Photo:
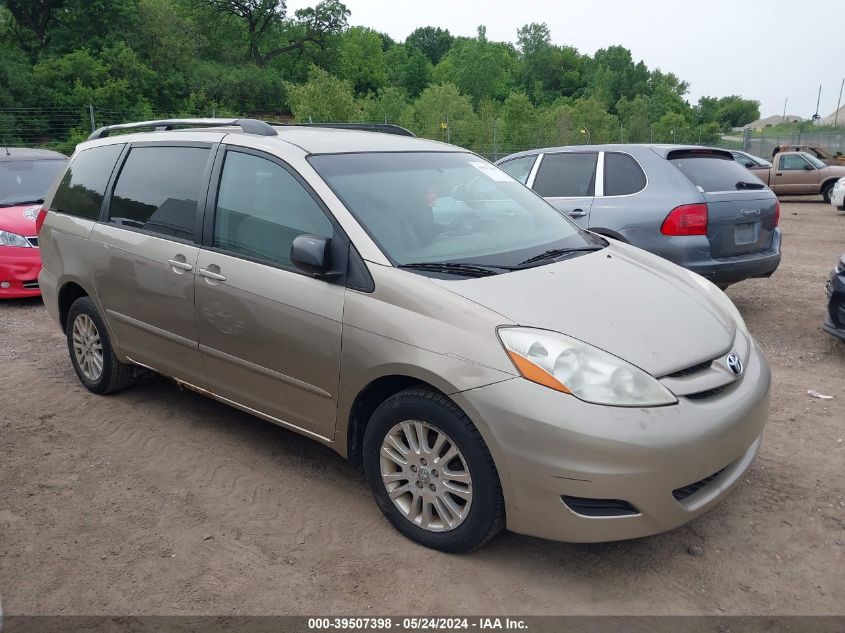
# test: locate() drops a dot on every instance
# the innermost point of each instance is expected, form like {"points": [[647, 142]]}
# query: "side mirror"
{"points": [[310, 254], [809, 167]]}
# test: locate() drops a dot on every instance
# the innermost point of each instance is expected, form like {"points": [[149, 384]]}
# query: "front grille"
{"points": [[685, 492], [710, 393], [33, 241], [32, 284], [691, 370], [599, 507]]}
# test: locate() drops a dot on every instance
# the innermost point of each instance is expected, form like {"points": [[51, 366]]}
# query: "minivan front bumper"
{"points": [[666, 465]]}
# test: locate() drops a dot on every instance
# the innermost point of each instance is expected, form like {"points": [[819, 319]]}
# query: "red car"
{"points": [[25, 178]]}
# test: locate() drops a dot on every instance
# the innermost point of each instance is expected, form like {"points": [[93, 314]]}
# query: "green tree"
{"points": [[634, 115], [520, 122], [34, 16], [443, 113], [479, 68], [673, 127], [270, 33], [408, 68], [385, 106], [362, 59], [734, 111], [433, 42], [323, 98]]}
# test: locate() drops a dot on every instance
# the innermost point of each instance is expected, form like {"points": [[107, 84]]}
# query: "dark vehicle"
{"points": [[834, 319]]}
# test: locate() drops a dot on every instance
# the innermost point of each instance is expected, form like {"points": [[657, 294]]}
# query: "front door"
{"points": [[568, 181], [144, 257], [269, 334], [795, 174]]}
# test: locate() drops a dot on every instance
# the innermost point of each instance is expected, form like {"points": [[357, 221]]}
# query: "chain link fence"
{"points": [[493, 138]]}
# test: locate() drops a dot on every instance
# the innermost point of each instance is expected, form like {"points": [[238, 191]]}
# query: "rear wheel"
{"points": [[431, 473], [826, 191], [91, 351]]}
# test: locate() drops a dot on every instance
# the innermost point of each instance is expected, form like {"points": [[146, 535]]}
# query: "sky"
{"points": [[768, 50]]}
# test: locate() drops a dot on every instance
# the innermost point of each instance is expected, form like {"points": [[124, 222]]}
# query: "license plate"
{"points": [[744, 234]]}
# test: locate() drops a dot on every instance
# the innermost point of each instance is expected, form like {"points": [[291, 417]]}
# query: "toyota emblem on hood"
{"points": [[734, 364]]}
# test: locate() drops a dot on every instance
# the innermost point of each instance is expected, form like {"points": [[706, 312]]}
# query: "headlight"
{"points": [[13, 239], [570, 366]]}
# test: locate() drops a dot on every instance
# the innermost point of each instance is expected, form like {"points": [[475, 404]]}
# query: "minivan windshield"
{"points": [[27, 181], [448, 207]]}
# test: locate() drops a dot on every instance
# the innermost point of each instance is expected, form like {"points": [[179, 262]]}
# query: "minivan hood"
{"points": [[635, 305]]}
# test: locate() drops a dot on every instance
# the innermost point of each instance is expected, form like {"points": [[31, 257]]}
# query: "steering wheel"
{"points": [[462, 224]]}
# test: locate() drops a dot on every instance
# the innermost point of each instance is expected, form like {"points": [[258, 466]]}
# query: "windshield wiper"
{"points": [[750, 185], [17, 203], [456, 268], [559, 252]]}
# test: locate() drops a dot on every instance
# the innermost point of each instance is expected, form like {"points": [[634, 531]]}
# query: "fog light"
{"points": [[5, 284]]}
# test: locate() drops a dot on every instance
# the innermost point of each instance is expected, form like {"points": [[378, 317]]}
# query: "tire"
{"points": [[473, 516], [91, 351], [826, 192]]}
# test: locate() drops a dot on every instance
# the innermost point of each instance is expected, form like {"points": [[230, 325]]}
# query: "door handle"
{"points": [[778, 174], [577, 213], [208, 274], [179, 265]]}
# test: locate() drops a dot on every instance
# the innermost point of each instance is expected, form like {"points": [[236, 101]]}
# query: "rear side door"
{"points": [[568, 181], [269, 334], [795, 174], [145, 252], [742, 213]]}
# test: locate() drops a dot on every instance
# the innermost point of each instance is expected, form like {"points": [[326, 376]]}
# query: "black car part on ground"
{"points": [[834, 319]]}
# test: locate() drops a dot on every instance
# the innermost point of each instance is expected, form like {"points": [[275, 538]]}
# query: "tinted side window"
{"points": [[567, 175], [82, 188], [159, 188], [622, 175], [711, 172], [261, 208], [519, 168], [792, 162]]}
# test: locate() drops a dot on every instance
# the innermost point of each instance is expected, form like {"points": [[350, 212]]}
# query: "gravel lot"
{"points": [[160, 501]]}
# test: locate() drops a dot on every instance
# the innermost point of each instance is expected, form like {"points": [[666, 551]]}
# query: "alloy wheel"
{"points": [[426, 476]]}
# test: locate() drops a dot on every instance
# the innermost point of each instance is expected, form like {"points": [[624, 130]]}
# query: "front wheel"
{"points": [[431, 472], [826, 192], [91, 350]]}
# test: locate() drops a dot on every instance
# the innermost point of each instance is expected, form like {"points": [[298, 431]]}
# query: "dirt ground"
{"points": [[160, 501]]}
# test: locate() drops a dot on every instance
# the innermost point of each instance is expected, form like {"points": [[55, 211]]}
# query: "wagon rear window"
{"points": [[711, 171]]}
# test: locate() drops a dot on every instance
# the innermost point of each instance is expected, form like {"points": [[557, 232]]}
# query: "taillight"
{"points": [[687, 219], [777, 212], [39, 220]]}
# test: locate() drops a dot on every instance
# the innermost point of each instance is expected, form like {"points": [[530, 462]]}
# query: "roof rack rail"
{"points": [[248, 126], [385, 128]]}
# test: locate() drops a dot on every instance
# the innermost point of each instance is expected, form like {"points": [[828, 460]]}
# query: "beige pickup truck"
{"points": [[799, 174]]}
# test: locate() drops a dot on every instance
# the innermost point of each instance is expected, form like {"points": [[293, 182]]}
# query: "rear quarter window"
{"points": [[622, 175], [80, 192], [711, 172]]}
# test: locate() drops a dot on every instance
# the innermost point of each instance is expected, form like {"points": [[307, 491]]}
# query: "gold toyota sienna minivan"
{"points": [[485, 361]]}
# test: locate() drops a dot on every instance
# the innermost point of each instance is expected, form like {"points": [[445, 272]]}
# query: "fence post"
{"points": [[495, 150], [91, 116], [448, 130]]}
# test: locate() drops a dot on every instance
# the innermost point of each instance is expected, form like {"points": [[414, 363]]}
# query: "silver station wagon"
{"points": [[695, 206], [485, 361]]}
